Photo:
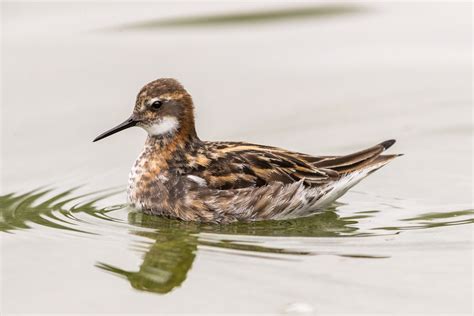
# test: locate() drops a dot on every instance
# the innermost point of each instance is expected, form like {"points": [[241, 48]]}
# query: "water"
{"points": [[321, 81]]}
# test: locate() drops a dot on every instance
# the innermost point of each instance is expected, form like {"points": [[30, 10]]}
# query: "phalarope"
{"points": [[180, 176]]}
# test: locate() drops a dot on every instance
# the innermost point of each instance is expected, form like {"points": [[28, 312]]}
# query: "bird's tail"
{"points": [[353, 168], [369, 159]]}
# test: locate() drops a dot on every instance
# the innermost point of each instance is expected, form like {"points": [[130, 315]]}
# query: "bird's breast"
{"points": [[146, 180]]}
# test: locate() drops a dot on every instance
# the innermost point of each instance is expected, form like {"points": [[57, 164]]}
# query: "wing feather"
{"points": [[235, 165]]}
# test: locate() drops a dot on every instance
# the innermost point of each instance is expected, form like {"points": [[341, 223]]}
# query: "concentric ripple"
{"points": [[70, 211], [169, 247], [64, 211]]}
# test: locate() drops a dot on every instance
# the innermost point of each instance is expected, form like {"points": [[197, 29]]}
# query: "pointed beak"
{"points": [[128, 123]]}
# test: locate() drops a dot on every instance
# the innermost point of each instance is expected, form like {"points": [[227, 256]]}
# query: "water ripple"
{"points": [[39, 207], [169, 247]]}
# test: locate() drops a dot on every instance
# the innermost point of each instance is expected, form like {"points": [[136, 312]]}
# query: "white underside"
{"points": [[327, 195]]}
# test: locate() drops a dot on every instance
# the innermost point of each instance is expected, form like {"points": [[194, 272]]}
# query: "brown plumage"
{"points": [[178, 175]]}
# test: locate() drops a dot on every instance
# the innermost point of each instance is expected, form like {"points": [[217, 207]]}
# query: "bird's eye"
{"points": [[156, 104]]}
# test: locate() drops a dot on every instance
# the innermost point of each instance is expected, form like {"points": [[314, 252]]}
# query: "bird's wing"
{"points": [[232, 165], [235, 165]]}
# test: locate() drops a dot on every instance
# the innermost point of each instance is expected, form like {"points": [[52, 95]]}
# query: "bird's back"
{"points": [[237, 165]]}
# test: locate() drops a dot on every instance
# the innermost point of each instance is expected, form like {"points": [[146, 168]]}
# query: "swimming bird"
{"points": [[177, 175]]}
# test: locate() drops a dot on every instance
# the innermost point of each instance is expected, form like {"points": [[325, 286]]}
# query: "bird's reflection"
{"points": [[172, 245], [175, 244], [165, 264]]}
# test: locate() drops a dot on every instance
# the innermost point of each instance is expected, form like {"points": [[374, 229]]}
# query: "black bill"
{"points": [[128, 123]]}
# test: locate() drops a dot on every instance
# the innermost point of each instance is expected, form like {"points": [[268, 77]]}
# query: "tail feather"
{"points": [[362, 164], [367, 158], [349, 170]]}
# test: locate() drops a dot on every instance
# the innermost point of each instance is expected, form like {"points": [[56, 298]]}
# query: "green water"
{"points": [[172, 245], [327, 79]]}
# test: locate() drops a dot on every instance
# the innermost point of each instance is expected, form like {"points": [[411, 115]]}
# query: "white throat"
{"points": [[167, 124]]}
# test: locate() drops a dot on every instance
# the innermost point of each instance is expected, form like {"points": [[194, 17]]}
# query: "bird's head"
{"points": [[163, 107]]}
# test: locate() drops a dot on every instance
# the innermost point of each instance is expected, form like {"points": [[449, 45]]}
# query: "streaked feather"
{"points": [[229, 181]]}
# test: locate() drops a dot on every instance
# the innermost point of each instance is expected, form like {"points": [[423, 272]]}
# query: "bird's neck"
{"points": [[169, 143], [170, 149]]}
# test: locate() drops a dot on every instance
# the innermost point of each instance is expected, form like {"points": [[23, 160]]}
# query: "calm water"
{"points": [[318, 80]]}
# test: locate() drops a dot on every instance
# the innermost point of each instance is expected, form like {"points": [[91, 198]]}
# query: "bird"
{"points": [[177, 175]]}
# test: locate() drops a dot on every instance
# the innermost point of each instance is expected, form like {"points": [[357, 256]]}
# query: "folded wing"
{"points": [[234, 165]]}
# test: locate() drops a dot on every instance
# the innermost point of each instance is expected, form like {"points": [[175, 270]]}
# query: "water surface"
{"points": [[322, 80]]}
